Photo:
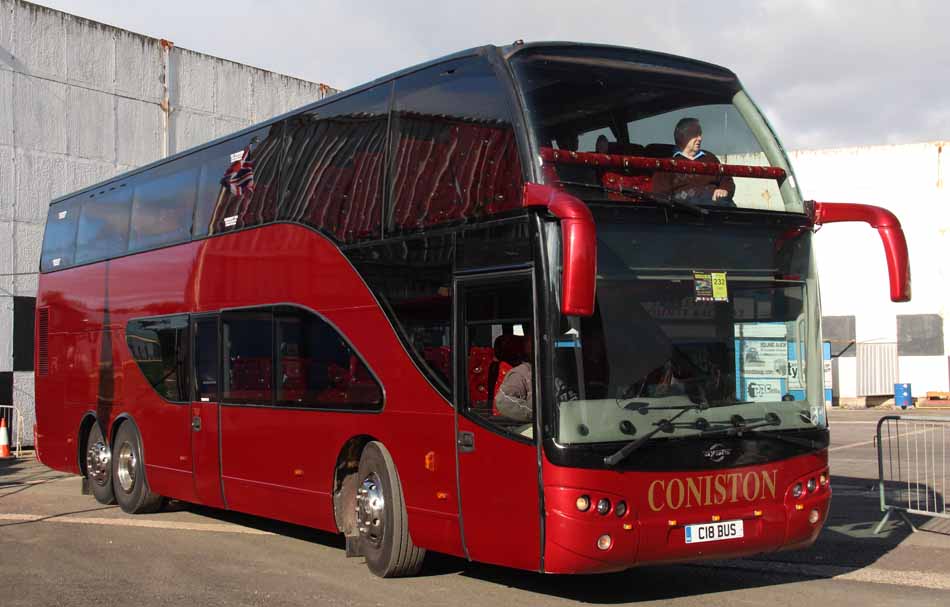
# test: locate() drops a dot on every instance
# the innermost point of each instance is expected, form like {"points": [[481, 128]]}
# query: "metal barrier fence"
{"points": [[912, 462], [15, 431]]}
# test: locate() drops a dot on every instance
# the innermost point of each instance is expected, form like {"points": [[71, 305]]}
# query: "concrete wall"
{"points": [[81, 101], [910, 181]]}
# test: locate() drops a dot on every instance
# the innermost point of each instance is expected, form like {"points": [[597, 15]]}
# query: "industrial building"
{"points": [[81, 101]]}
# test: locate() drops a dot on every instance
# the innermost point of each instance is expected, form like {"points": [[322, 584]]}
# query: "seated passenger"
{"points": [[515, 397], [602, 145], [688, 136]]}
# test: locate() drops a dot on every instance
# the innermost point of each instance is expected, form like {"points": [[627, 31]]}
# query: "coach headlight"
{"points": [[797, 490], [583, 503], [812, 484]]}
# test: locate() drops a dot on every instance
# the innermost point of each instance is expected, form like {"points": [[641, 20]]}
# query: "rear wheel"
{"points": [[99, 466], [381, 517], [128, 473]]}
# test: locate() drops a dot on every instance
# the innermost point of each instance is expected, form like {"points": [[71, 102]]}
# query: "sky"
{"points": [[826, 73]]}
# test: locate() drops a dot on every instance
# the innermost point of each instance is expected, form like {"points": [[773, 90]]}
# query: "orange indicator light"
{"points": [[716, 518], [799, 506], [442, 495], [627, 526], [757, 512], [671, 523], [430, 461], [298, 472]]}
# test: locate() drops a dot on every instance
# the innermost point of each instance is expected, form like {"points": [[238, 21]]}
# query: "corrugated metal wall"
{"points": [[877, 368]]}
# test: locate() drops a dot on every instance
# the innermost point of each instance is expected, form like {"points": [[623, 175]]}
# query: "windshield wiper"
{"points": [[668, 201], [664, 425], [739, 427]]}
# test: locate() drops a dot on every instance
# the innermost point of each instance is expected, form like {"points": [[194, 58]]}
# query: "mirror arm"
{"points": [[892, 237], [578, 246]]}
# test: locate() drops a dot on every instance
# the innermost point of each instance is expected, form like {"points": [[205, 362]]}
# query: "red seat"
{"points": [[479, 359]]}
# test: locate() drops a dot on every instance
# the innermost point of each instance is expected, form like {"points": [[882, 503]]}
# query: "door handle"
{"points": [[196, 423], [466, 442]]}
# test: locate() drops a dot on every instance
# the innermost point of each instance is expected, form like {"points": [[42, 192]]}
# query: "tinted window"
{"points": [[206, 359], [163, 202], [317, 368], [248, 362], [499, 362], [413, 280], [59, 241], [454, 151], [334, 165], [494, 246], [160, 346], [238, 185], [104, 224]]}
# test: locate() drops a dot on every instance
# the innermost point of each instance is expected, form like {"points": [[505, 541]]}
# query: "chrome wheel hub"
{"points": [[127, 467], [371, 510], [98, 460]]}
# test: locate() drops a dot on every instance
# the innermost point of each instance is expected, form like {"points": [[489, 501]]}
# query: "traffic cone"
{"points": [[4, 439]]}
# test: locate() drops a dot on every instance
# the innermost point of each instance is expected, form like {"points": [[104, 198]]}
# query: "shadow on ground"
{"points": [[846, 544]]}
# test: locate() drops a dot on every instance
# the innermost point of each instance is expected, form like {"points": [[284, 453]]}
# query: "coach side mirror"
{"points": [[888, 226], [578, 246]]}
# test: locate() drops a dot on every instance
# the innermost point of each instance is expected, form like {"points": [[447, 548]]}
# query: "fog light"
{"points": [[797, 490], [603, 506], [823, 479], [811, 485], [582, 503], [813, 517], [621, 508], [604, 542]]}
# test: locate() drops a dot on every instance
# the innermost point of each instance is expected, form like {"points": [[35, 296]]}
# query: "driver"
{"points": [[515, 397], [688, 136]]}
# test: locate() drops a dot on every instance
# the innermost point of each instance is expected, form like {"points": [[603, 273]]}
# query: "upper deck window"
{"points": [[634, 127], [454, 153], [104, 224], [238, 184], [162, 205], [333, 171], [59, 241]]}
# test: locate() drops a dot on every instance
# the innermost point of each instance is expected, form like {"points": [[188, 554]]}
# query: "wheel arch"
{"points": [[82, 442], [345, 480]]}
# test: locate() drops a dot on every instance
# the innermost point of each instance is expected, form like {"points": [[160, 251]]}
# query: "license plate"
{"points": [[713, 532]]}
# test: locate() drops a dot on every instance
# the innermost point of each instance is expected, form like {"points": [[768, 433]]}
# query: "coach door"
{"points": [[496, 449], [205, 436]]}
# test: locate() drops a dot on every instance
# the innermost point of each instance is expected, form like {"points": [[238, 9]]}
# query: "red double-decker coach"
{"points": [[551, 306]]}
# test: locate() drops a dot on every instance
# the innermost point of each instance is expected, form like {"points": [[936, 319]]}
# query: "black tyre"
{"points": [[128, 473], [381, 517], [99, 466]]}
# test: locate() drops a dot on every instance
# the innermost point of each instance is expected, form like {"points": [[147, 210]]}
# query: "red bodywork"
{"points": [[280, 463]]}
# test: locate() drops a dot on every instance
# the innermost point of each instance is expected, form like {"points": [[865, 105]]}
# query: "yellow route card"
{"points": [[710, 286]]}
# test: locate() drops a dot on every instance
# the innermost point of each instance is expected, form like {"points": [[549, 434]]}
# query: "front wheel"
{"points": [[128, 473], [381, 517]]}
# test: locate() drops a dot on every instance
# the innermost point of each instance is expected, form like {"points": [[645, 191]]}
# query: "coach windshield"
{"points": [[622, 125]]}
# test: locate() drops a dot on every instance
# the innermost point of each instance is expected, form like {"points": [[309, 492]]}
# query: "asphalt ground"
{"points": [[58, 547]]}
